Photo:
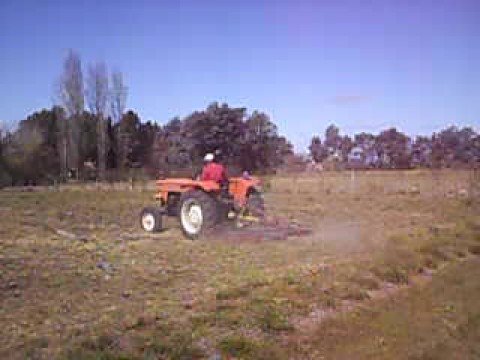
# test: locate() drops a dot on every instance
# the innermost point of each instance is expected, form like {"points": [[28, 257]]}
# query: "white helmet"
{"points": [[208, 157]]}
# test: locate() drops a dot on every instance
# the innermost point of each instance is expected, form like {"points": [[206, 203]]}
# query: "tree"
{"points": [[422, 151], [216, 128], [366, 142], [281, 149], [118, 100], [97, 98], [71, 95], [129, 127], [88, 141], [31, 152], [145, 141], [455, 146], [317, 151], [21, 150], [333, 139], [3, 133], [5, 178], [262, 146], [118, 96], [394, 149], [345, 146], [178, 146]]}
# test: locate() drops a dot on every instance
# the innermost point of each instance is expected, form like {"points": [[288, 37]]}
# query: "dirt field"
{"points": [[391, 271]]}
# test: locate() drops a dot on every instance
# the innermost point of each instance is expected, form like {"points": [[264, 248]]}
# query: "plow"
{"points": [[234, 211]]}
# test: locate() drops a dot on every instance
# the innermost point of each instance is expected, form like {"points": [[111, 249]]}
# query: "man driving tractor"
{"points": [[213, 171]]}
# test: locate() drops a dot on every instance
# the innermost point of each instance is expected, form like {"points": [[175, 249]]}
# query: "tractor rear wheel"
{"points": [[151, 219], [198, 213]]}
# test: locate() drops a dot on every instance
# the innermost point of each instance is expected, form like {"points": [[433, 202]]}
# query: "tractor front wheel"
{"points": [[198, 213], [151, 219]]}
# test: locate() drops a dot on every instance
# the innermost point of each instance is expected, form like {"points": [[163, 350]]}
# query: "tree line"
{"points": [[392, 149], [90, 135]]}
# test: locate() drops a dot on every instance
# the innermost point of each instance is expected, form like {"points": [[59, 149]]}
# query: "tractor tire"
{"points": [[198, 213], [255, 204], [151, 219]]}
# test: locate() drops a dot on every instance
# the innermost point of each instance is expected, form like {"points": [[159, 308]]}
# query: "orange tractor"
{"points": [[200, 205]]}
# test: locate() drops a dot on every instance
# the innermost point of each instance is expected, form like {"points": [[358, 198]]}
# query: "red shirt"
{"points": [[213, 172]]}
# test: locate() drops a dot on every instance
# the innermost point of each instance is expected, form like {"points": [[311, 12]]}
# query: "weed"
{"points": [[474, 249], [101, 343], [83, 354], [434, 251], [238, 346], [40, 342], [270, 318], [460, 253], [202, 319], [329, 301], [350, 292], [430, 262], [242, 347], [232, 293], [392, 274], [178, 346], [230, 317], [32, 349], [103, 347], [266, 184], [471, 326], [366, 282], [254, 277], [400, 240], [291, 278]]}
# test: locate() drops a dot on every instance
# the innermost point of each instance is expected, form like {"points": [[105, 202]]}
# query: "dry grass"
{"points": [[80, 280]]}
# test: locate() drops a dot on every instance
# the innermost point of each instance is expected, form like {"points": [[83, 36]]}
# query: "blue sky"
{"points": [[363, 65]]}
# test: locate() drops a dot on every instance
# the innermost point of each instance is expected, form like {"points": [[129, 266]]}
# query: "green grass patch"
{"points": [[438, 321]]}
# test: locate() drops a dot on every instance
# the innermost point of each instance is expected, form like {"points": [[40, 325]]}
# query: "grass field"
{"points": [[391, 271]]}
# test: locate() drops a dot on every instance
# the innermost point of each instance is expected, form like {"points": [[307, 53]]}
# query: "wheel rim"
{"points": [[191, 217], [148, 222]]}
